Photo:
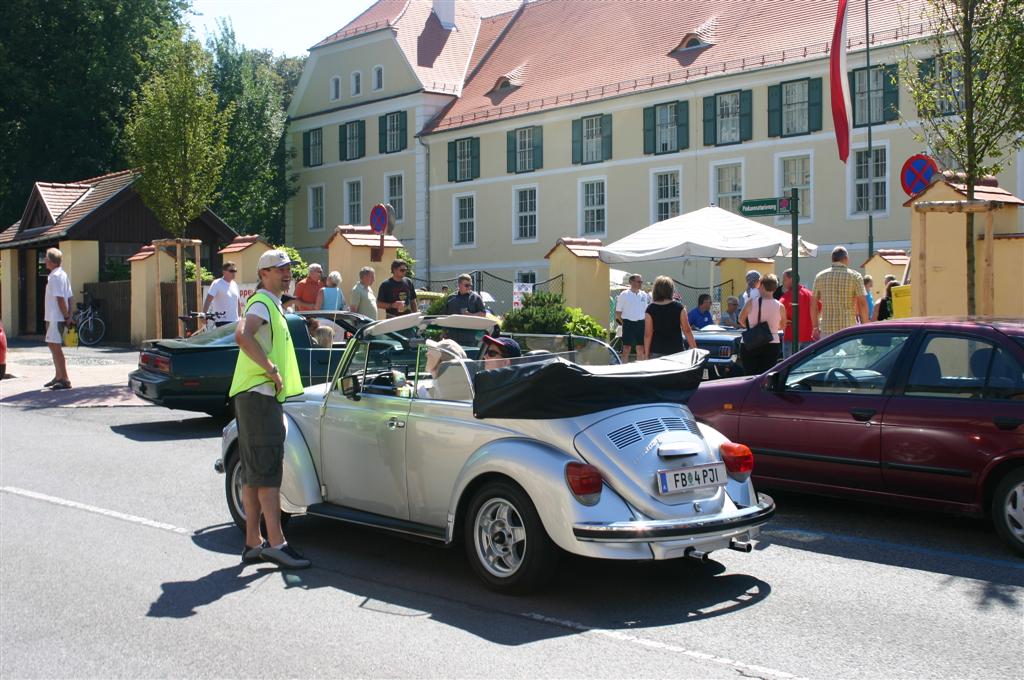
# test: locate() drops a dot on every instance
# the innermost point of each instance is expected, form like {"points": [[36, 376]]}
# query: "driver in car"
{"points": [[498, 352]]}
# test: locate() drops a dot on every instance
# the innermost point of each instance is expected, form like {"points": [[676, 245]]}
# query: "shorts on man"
{"points": [[54, 332], [633, 333]]}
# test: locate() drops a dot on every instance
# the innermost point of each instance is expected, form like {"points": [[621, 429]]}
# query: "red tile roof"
{"points": [[98, 191], [145, 252], [588, 51], [362, 236], [580, 247], [893, 256], [240, 243], [982, 192], [379, 15]]}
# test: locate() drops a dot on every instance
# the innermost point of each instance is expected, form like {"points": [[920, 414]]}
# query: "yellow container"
{"points": [[901, 301]]}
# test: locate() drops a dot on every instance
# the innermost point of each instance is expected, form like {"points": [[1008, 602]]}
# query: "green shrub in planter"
{"points": [[546, 313]]}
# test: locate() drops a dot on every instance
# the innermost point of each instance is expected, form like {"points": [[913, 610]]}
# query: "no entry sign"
{"points": [[917, 173]]}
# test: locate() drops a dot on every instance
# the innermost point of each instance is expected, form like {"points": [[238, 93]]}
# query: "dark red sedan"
{"points": [[923, 412]]}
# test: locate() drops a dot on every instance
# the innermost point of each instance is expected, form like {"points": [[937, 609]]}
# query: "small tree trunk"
{"points": [[967, 9]]}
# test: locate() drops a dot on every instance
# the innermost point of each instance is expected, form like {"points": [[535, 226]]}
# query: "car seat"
{"points": [[926, 372], [452, 382]]}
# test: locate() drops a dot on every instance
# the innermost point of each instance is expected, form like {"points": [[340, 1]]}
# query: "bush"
{"points": [[547, 313], [190, 272], [116, 270], [437, 306], [299, 266], [404, 255], [584, 324]]}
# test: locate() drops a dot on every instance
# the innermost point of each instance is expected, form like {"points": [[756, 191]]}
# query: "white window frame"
{"points": [[393, 132], [526, 152], [355, 84], [378, 69], [851, 174], [463, 156], [334, 91], [309, 207], [348, 199], [719, 140], [515, 212], [456, 218], [319, 146], [387, 193], [596, 141], [654, 172], [581, 210], [779, 181], [713, 178], [806, 83], [672, 127], [351, 152], [855, 96], [520, 272]]}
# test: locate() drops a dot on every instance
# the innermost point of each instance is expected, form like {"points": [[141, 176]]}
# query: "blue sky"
{"points": [[284, 26]]}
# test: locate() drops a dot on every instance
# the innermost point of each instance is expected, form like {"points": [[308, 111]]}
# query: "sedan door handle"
{"points": [[1007, 422], [395, 424], [862, 414]]}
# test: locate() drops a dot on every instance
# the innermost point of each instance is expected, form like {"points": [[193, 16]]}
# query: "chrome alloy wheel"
{"points": [[500, 537], [1014, 509], [236, 488]]}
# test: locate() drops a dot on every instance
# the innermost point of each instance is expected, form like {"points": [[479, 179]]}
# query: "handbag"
{"points": [[71, 337], [758, 336]]}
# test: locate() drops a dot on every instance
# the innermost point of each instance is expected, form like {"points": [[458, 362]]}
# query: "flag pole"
{"points": [[871, 152]]}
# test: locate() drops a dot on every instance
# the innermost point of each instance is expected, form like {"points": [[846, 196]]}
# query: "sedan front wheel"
{"points": [[505, 540], [1008, 509]]}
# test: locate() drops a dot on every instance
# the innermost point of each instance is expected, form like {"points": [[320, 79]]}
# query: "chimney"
{"points": [[445, 11]]}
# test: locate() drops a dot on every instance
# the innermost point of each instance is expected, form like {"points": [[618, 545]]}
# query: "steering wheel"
{"points": [[832, 373]]}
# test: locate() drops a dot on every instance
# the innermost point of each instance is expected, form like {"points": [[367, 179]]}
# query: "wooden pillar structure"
{"points": [[179, 245]]}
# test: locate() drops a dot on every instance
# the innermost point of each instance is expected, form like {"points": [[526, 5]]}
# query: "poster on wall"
{"points": [[518, 291]]}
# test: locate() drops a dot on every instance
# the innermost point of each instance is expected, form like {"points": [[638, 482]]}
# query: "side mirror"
{"points": [[350, 387], [773, 382]]}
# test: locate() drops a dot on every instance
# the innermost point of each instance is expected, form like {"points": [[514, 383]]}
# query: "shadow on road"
{"points": [[402, 578], [96, 395], [180, 599], [169, 430]]}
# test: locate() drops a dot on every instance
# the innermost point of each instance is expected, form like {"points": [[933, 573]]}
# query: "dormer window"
{"points": [[511, 80], [703, 36], [692, 42]]}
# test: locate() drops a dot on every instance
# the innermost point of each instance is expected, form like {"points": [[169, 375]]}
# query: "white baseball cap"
{"points": [[273, 258]]}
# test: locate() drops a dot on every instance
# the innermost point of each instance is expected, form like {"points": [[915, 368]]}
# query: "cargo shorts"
{"points": [[260, 439]]}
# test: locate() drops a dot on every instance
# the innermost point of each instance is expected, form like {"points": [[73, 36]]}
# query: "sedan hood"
{"points": [[631, 446]]}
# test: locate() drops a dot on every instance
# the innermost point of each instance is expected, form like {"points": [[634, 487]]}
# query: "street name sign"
{"points": [[766, 207]]}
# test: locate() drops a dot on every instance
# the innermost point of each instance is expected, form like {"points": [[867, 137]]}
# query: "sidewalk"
{"points": [[99, 376]]}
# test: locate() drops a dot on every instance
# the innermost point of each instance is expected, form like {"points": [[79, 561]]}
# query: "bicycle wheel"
{"points": [[91, 331]]}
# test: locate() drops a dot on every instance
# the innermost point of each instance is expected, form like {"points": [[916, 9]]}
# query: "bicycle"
{"points": [[196, 317], [91, 328]]}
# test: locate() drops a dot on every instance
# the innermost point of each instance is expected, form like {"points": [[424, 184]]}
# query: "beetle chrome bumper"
{"points": [[654, 530]]}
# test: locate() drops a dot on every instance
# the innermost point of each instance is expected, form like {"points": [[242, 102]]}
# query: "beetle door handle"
{"points": [[862, 414], [395, 424], [1007, 422]]}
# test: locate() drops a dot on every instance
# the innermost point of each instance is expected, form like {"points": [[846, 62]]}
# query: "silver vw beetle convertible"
{"points": [[520, 459]]}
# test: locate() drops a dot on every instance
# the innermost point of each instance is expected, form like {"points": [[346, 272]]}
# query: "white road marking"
{"points": [[664, 647], [94, 509]]}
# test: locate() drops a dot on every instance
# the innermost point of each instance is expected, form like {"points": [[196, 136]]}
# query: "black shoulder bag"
{"points": [[758, 336]]}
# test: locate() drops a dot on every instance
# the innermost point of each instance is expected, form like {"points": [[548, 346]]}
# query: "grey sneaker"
{"points": [[285, 557], [253, 555]]}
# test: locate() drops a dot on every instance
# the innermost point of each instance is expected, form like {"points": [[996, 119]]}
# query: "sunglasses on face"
{"points": [[402, 270], [231, 271], [492, 354]]}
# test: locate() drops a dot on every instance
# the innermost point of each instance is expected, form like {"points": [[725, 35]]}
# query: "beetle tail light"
{"points": [[738, 459], [585, 482]]}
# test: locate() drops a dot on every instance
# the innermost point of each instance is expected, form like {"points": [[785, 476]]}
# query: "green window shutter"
{"points": [[775, 110], [538, 147], [362, 138], [926, 70], [452, 173], [305, 149], [853, 98], [606, 136], [649, 129], [577, 141], [814, 105], [341, 142], [382, 134], [474, 157], [891, 92], [403, 131], [746, 115], [510, 151], [682, 125], [710, 130]]}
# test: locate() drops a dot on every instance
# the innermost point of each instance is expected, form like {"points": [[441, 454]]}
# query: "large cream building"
{"points": [[496, 127]]}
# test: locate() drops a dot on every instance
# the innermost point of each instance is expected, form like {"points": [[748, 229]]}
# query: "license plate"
{"points": [[688, 479]]}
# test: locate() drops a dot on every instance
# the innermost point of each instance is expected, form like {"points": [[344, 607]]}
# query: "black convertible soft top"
{"points": [[557, 388]]}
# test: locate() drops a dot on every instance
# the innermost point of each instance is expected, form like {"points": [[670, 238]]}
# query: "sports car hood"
{"points": [[631, 445]]}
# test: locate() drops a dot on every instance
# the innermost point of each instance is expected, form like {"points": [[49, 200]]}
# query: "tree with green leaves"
{"points": [[969, 93]]}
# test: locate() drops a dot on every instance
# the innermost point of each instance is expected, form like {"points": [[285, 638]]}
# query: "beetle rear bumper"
{"points": [[651, 531]]}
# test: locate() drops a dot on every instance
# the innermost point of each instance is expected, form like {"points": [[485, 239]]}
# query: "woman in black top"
{"points": [[664, 320], [883, 308]]}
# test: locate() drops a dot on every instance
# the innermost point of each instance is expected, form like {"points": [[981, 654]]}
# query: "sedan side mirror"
{"points": [[350, 387], [773, 382]]}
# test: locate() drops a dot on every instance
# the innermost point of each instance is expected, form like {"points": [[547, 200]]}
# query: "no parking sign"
{"points": [[917, 173]]}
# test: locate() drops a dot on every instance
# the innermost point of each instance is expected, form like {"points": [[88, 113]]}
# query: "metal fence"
{"points": [[689, 295], [114, 301], [485, 282]]}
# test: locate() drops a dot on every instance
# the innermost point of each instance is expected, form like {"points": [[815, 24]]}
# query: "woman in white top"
{"points": [[764, 308]]}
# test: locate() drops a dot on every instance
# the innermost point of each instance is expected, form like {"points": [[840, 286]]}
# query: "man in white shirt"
{"points": [[57, 314], [223, 296], [630, 308]]}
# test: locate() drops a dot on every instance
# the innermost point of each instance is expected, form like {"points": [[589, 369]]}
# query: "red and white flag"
{"points": [[839, 86]]}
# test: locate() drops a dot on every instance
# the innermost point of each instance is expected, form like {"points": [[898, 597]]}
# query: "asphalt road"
{"points": [[118, 561]]}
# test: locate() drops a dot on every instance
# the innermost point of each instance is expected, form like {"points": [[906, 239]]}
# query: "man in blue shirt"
{"points": [[700, 316]]}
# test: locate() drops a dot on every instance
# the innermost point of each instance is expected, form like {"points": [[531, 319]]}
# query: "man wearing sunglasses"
{"points": [[224, 297], [397, 295], [498, 352], [467, 302]]}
